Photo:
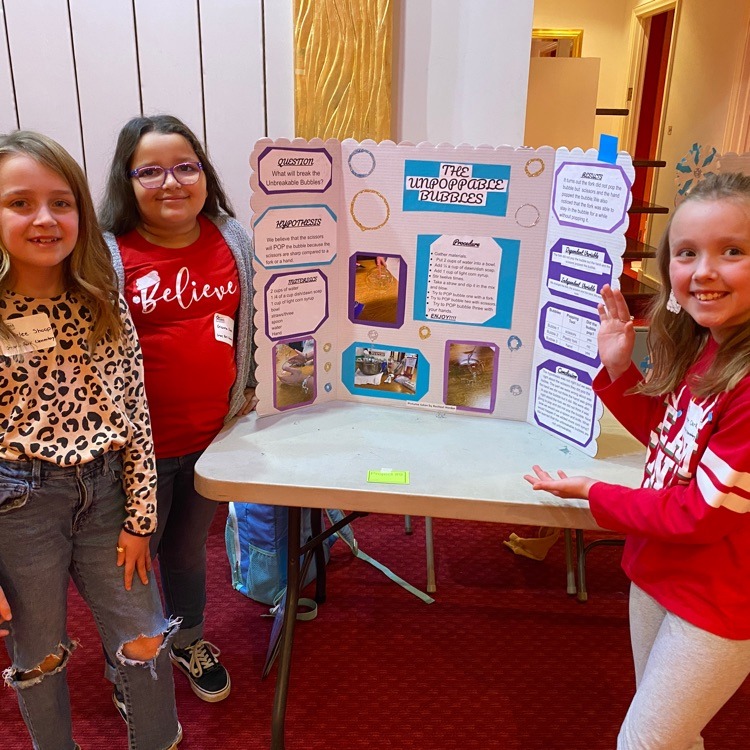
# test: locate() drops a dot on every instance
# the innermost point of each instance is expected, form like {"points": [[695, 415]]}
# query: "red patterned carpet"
{"points": [[502, 659]]}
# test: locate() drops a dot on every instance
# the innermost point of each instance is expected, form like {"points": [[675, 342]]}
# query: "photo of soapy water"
{"points": [[376, 288], [470, 375]]}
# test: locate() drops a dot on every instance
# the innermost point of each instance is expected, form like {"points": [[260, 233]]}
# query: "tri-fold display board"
{"points": [[435, 277]]}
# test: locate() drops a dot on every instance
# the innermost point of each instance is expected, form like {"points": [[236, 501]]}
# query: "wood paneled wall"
{"points": [[78, 69]]}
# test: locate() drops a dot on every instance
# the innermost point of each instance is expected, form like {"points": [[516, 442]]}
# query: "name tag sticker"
{"points": [[36, 332], [695, 419], [387, 476], [224, 328]]}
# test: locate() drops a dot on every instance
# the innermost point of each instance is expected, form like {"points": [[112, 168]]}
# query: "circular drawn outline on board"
{"points": [[328, 387], [514, 343], [372, 335], [533, 223], [516, 390], [534, 172], [361, 151], [362, 226], [327, 366], [425, 332], [326, 347]]}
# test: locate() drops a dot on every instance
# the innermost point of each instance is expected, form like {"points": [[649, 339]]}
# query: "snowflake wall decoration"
{"points": [[693, 167]]}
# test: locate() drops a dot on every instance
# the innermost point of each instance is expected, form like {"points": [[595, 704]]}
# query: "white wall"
{"points": [[279, 26], [461, 70], [78, 69], [561, 102], [605, 27], [707, 56]]}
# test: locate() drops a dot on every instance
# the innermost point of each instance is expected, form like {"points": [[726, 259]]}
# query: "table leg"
{"points": [[430, 554], [569, 567], [316, 526], [287, 637], [581, 554]]}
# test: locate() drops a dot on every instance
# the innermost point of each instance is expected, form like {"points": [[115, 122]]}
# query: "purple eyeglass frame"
{"points": [[167, 170]]}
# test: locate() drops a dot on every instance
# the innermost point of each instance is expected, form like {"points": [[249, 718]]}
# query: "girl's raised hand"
{"points": [[5, 614], [616, 336], [563, 486], [133, 552]]}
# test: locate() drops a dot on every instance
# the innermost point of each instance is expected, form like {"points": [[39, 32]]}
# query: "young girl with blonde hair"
{"points": [[77, 476], [687, 550]]}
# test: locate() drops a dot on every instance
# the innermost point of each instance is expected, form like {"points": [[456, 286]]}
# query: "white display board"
{"points": [[435, 277]]}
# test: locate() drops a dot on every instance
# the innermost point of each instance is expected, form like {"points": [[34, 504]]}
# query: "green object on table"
{"points": [[388, 476]]}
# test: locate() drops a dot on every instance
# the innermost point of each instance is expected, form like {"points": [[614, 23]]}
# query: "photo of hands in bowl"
{"points": [[295, 372]]}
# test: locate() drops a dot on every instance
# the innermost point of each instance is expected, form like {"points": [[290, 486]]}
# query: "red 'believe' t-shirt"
{"points": [[184, 303]]}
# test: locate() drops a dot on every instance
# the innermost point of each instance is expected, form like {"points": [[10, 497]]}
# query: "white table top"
{"points": [[460, 466]]}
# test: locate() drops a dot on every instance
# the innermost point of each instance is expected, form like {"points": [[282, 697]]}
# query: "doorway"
{"points": [[649, 86]]}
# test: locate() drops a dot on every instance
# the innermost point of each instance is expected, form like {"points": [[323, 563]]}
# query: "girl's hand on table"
{"points": [[563, 486]]}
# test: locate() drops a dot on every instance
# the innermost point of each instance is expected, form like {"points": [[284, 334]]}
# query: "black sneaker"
{"points": [[119, 700], [200, 664]]}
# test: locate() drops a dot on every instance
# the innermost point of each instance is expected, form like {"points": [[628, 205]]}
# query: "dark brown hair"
{"points": [[118, 212]]}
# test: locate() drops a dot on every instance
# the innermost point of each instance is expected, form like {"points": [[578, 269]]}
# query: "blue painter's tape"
{"points": [[608, 148]]}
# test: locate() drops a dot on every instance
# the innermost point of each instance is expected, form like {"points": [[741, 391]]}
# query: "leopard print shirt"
{"points": [[68, 405]]}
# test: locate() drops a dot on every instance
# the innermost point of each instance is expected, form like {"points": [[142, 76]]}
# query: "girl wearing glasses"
{"points": [[184, 266]]}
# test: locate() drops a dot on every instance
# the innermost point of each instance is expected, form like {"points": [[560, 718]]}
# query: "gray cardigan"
{"points": [[241, 248]]}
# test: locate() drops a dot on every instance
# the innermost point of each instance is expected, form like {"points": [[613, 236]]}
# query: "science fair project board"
{"points": [[436, 277]]}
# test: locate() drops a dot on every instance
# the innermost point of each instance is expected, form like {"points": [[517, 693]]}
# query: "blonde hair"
{"points": [[676, 341], [88, 270]]}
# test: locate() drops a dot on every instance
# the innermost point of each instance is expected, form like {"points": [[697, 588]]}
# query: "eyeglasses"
{"points": [[154, 176]]}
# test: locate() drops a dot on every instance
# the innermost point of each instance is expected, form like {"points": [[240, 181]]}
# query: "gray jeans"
{"points": [[180, 544], [683, 676], [58, 523]]}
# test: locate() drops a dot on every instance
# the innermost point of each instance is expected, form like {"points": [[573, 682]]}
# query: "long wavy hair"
{"points": [[118, 212], [675, 341], [88, 270]]}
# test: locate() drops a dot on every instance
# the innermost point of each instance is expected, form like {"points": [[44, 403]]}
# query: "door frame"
{"points": [[737, 133], [638, 47]]}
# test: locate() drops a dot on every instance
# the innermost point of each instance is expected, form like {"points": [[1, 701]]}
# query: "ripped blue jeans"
{"points": [[58, 523]]}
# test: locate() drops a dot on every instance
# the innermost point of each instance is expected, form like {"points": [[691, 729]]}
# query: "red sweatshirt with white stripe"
{"points": [[687, 526]]}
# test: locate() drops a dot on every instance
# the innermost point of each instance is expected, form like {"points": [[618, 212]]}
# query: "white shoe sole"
{"points": [[179, 737], [202, 694]]}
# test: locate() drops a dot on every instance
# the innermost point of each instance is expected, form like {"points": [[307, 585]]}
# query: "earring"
{"points": [[672, 304]]}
